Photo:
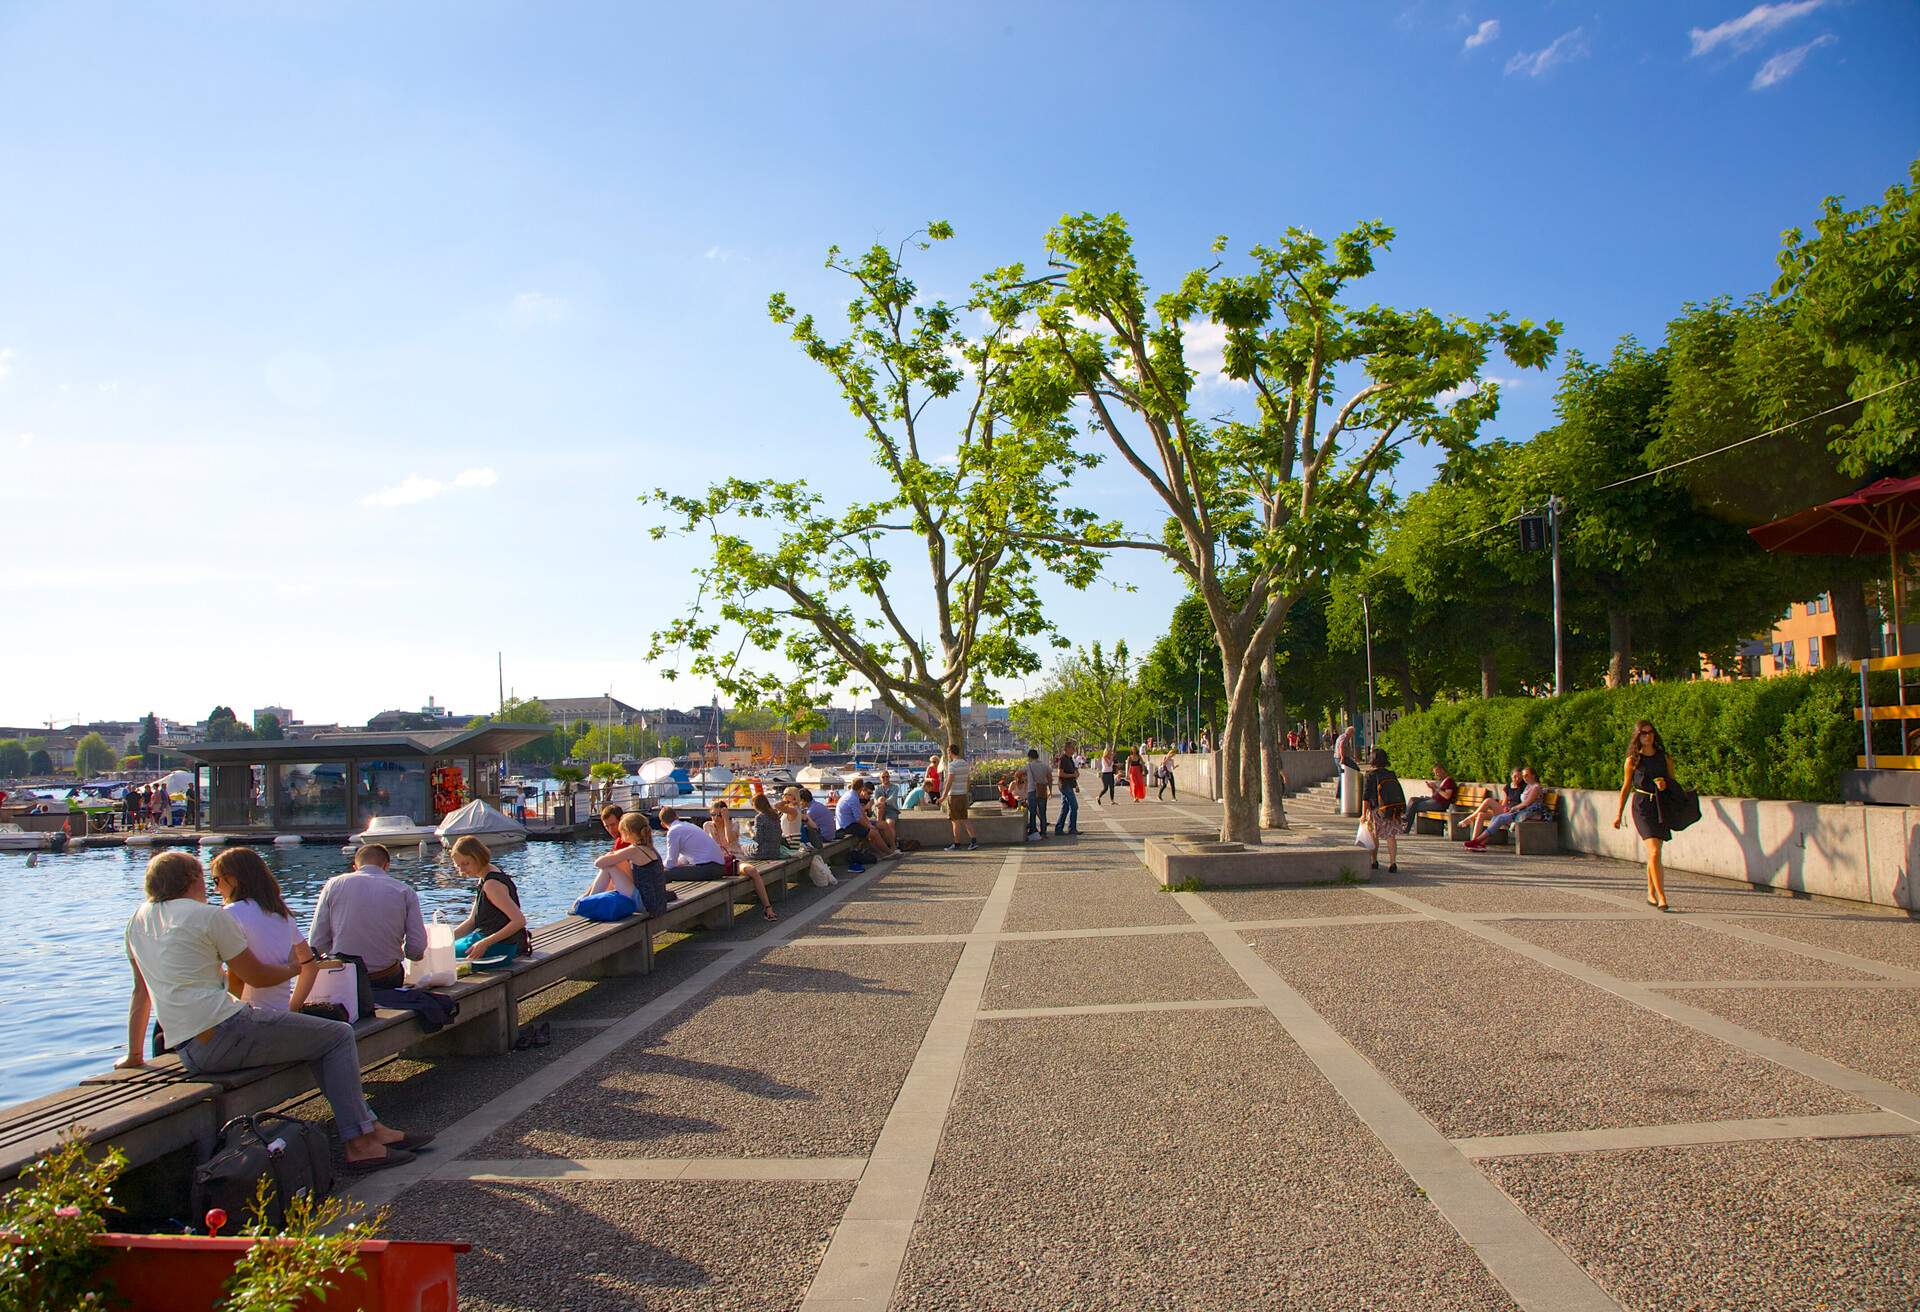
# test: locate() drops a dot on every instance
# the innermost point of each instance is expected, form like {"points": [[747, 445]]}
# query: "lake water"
{"points": [[64, 979]]}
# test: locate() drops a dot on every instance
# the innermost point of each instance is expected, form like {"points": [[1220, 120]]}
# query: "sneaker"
{"points": [[855, 868], [1473, 845], [951, 847], [974, 846]]}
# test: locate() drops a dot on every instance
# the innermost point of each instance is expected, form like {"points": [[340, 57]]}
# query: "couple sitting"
{"points": [[1525, 799], [633, 875]]}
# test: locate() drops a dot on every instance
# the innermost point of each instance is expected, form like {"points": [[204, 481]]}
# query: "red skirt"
{"points": [[1137, 781]]}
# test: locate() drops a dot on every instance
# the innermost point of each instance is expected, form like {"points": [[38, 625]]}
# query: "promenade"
{"points": [[1028, 1078]]}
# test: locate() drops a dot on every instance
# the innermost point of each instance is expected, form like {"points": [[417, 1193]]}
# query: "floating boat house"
{"points": [[335, 783]]}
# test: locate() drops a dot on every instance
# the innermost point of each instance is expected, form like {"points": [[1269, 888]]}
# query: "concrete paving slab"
{"points": [[1152, 1160], [1139, 968], [1289, 903], [1787, 1226], [1116, 894], [600, 1245], [1670, 948], [1485, 1042], [873, 916], [796, 1055]]}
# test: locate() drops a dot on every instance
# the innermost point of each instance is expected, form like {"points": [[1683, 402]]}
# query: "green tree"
{"points": [[92, 756], [1092, 697], [754, 718], [1852, 287], [13, 758], [223, 726], [266, 727], [1262, 508], [816, 588], [39, 760], [149, 740]]}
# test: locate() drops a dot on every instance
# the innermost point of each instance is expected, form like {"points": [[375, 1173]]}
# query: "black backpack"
{"points": [[292, 1156]]}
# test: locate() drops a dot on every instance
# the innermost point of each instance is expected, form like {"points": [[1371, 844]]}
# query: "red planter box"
{"points": [[186, 1273]]}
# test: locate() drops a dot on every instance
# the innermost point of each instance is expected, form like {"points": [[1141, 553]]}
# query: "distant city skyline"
{"points": [[340, 341]]}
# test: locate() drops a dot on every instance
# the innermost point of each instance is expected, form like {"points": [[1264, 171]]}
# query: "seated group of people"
{"points": [[1524, 798]]}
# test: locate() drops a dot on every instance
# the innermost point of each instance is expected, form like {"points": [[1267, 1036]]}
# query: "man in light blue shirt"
{"points": [[692, 852], [851, 818]]}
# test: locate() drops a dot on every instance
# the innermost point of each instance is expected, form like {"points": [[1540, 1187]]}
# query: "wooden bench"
{"points": [[1529, 837], [161, 1107]]}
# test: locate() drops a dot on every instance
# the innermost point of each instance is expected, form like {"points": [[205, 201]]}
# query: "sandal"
{"points": [[393, 1156]]}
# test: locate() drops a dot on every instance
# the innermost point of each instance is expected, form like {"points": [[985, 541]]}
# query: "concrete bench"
{"points": [[161, 1107]]}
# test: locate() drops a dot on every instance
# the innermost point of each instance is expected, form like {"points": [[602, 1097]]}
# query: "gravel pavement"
{"points": [[1667, 948], [798, 1055], [1773, 1227], [1486, 1042], [1075, 972], [1877, 938], [603, 1245], [1110, 894], [1191, 1161], [1873, 1030], [1293, 903]]}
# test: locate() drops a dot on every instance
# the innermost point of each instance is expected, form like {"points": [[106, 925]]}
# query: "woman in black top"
{"points": [[1649, 780], [1383, 803]]}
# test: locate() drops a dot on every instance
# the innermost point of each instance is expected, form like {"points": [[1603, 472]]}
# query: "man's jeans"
{"points": [[1069, 810], [1036, 813], [1505, 818], [257, 1037]]}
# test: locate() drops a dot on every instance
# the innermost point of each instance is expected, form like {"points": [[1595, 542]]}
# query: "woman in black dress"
{"points": [[1648, 782]]}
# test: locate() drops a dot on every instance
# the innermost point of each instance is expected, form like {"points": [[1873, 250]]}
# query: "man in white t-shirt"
{"points": [[176, 944], [956, 784]]}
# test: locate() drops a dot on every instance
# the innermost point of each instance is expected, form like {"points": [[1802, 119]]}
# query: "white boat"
{"points": [[478, 820], [395, 831], [15, 839], [718, 776], [815, 776]]}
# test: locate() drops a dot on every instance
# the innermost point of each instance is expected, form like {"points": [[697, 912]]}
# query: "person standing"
{"points": [[1348, 764], [1107, 773], [1038, 780], [1649, 782], [1068, 773], [1382, 803], [1166, 777], [1136, 776], [957, 782]]}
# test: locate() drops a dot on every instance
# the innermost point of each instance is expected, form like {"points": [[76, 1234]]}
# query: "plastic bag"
{"points": [[338, 983], [1363, 837], [821, 875], [438, 968]]}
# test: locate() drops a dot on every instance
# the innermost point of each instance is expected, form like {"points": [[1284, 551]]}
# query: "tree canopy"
{"points": [[92, 755]]}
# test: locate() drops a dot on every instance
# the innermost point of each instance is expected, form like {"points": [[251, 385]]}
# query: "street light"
{"points": [[1366, 619]]}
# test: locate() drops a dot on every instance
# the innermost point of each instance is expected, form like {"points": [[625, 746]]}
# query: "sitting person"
{"points": [[250, 896], [793, 818], [691, 851], [916, 797], [885, 809], [610, 821], [851, 819], [1531, 805], [495, 931], [635, 855], [1013, 790], [768, 840], [614, 894], [1496, 803], [371, 918], [721, 828], [1439, 799], [820, 816], [176, 944]]}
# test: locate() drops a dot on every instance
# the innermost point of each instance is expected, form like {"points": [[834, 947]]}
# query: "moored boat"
{"points": [[395, 831], [478, 820]]}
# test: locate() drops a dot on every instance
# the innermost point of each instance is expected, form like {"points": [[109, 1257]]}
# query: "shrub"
{"points": [[1787, 738]]}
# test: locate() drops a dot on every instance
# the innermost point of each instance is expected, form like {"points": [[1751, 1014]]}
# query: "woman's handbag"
{"points": [[338, 984], [439, 967]]}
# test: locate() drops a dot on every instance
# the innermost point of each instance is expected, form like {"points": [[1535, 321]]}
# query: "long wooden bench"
{"points": [[161, 1107]]}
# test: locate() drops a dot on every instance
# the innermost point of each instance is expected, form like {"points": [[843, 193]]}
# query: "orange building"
{"points": [[772, 746]]}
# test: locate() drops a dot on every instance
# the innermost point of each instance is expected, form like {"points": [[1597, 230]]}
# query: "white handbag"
{"points": [[438, 968], [336, 982]]}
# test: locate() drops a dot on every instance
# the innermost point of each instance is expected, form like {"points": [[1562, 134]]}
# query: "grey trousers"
{"points": [[255, 1036]]}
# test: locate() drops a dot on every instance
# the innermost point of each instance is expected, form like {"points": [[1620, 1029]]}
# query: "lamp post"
{"points": [[1366, 619]]}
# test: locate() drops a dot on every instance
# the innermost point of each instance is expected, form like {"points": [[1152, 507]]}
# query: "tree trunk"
{"points": [[954, 722], [1239, 761], [1619, 646], [1850, 634], [1489, 673], [1273, 730]]}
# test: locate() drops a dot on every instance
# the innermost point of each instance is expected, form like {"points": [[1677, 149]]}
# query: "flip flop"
{"points": [[393, 1156], [414, 1142]]}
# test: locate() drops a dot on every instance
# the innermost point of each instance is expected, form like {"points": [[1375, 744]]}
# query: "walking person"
{"points": [[1136, 776], [1068, 773], [1649, 783], [1107, 776], [958, 782], [1039, 777], [1166, 777], [1383, 803]]}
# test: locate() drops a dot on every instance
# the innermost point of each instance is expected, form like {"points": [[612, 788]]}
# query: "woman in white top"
{"points": [[251, 897], [723, 830]]}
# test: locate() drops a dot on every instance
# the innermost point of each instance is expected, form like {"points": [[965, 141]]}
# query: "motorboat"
{"points": [[714, 776], [395, 831], [816, 777], [478, 820], [13, 838]]}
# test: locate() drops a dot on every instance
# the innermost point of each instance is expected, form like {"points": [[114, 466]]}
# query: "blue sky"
{"points": [[337, 341]]}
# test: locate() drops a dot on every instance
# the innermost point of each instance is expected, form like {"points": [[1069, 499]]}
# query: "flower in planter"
{"points": [[48, 1260], [303, 1261]]}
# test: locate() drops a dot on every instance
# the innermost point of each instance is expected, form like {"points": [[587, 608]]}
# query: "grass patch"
{"points": [[1348, 875], [1187, 885]]}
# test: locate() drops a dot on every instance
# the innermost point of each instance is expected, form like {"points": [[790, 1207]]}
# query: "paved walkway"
{"points": [[1031, 1079]]}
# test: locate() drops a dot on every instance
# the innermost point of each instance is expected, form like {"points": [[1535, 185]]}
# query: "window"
{"points": [[1813, 653], [314, 796], [1822, 603], [391, 788], [1782, 656], [237, 797]]}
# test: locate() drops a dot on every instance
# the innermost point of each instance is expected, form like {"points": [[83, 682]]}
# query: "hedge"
{"points": [[1786, 738]]}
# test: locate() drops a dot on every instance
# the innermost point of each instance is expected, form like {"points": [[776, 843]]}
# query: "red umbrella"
{"points": [[1883, 516]]}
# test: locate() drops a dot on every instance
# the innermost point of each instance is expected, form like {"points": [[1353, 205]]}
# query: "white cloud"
{"points": [[722, 254], [22, 441], [1785, 64], [538, 307], [6, 362], [414, 489], [1473, 385], [1566, 48], [1205, 343], [1487, 31], [1752, 27]]}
